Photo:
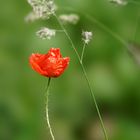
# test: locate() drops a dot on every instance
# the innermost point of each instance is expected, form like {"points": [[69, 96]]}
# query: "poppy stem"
{"points": [[86, 77], [47, 109]]}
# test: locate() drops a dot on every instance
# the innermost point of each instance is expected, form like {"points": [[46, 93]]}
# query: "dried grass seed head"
{"points": [[43, 8], [46, 33], [119, 2], [71, 18], [86, 36]]}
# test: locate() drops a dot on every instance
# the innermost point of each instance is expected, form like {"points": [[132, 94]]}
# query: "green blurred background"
{"points": [[113, 73]]}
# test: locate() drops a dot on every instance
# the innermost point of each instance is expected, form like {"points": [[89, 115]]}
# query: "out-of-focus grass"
{"points": [[112, 71]]}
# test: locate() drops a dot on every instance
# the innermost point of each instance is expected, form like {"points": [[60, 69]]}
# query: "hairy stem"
{"points": [[47, 109], [86, 77]]}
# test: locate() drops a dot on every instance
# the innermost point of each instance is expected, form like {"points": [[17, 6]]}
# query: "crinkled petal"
{"points": [[35, 66], [51, 64], [55, 52]]}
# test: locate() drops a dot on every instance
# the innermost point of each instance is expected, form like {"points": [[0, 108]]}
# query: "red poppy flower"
{"points": [[51, 64]]}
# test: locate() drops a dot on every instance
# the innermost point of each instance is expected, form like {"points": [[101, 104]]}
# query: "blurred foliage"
{"points": [[114, 74]]}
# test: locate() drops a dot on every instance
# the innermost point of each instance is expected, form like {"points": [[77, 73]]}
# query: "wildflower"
{"points": [[46, 33], [49, 65], [43, 8], [86, 36], [119, 2], [72, 18]]}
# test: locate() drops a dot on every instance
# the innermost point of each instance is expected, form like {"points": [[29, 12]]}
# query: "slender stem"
{"points": [[83, 50], [86, 77], [95, 102], [59, 30], [47, 110], [92, 19], [134, 2], [101, 25], [135, 30], [65, 31], [105, 28]]}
